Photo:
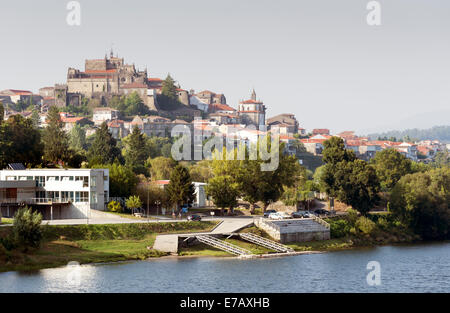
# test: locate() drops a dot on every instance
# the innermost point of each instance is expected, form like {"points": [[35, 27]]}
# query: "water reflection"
{"points": [[419, 268]]}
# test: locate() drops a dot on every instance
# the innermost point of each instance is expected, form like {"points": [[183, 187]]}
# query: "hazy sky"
{"points": [[318, 58]]}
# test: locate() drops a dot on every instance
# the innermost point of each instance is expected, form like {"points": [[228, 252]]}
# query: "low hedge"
{"points": [[117, 231]]}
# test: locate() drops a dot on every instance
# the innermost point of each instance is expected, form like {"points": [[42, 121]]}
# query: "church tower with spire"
{"points": [[254, 95], [253, 111]]}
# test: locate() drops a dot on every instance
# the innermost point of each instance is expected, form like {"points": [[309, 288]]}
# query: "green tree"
{"points": [[390, 166], [161, 167], [180, 190], [55, 139], [267, 186], [422, 201], [441, 159], [358, 185], [20, 142], [104, 148], [201, 171], [122, 180], [27, 228], [133, 203], [335, 152], [35, 118], [77, 138], [168, 99], [134, 104], [351, 181], [224, 192], [135, 153]]}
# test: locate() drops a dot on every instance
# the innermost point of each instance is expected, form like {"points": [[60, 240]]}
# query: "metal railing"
{"points": [[265, 242], [222, 245], [320, 221], [39, 200]]}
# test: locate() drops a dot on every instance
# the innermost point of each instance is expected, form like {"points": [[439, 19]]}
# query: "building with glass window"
{"points": [[56, 193]]}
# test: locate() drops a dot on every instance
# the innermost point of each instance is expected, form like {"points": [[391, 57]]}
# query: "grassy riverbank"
{"points": [[92, 244]]}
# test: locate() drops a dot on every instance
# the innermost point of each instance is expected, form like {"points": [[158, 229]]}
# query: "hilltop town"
{"points": [[111, 91], [101, 149]]}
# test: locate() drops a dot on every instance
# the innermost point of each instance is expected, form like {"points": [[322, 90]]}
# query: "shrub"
{"points": [[339, 228], [383, 223], [8, 243], [115, 206], [352, 215], [365, 225], [27, 230]]}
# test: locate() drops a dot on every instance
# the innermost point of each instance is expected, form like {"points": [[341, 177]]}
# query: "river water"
{"points": [[406, 268]]}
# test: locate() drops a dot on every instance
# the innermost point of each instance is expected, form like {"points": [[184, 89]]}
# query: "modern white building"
{"points": [[56, 193]]}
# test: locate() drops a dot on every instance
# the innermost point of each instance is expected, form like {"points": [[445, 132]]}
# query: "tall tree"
{"points": [[358, 185], [169, 89], [20, 142], [335, 152], [104, 148], [352, 181], [122, 180], [77, 138], [55, 139], [161, 167], [224, 192], [267, 186], [422, 201], [35, 118], [168, 99], [135, 153], [180, 190], [134, 104], [390, 166]]}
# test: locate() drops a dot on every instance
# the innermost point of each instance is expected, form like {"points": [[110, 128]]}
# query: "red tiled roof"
{"points": [[220, 107], [71, 119], [21, 92], [115, 123], [251, 101], [321, 131], [312, 140], [162, 182]]}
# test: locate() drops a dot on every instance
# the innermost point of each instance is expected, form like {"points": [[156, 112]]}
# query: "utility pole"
{"points": [[148, 201]]}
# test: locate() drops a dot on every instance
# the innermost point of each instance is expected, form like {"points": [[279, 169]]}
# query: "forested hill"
{"points": [[441, 133]]}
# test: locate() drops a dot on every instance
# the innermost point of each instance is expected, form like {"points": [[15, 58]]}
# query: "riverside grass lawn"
{"points": [[93, 244]]}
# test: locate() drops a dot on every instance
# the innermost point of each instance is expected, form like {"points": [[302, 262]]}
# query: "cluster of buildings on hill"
{"points": [[366, 149], [111, 76]]}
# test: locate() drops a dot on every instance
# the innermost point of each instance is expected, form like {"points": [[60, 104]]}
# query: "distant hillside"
{"points": [[441, 133]]}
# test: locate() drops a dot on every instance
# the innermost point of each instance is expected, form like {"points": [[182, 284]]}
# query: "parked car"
{"points": [[194, 217], [285, 215], [279, 216], [268, 212], [301, 214], [322, 212], [275, 216]]}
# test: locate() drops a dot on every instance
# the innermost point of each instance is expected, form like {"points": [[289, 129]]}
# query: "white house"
{"points": [[56, 193], [103, 114]]}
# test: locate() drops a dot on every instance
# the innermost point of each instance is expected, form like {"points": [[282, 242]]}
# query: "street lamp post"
{"points": [[157, 202]]}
